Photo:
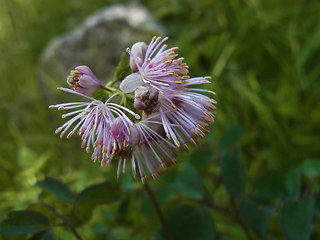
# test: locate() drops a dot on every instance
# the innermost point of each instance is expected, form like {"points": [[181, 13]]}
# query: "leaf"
{"points": [[310, 168], [101, 192], [189, 182], [189, 223], [233, 175], [57, 188], [230, 136], [293, 183], [256, 215], [296, 218], [123, 68], [24, 222], [272, 186], [46, 235], [201, 157], [91, 197]]}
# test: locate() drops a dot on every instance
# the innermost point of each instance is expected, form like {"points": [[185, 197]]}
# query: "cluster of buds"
{"points": [[173, 114]]}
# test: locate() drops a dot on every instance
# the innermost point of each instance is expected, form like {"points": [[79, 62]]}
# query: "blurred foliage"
{"points": [[256, 174]]}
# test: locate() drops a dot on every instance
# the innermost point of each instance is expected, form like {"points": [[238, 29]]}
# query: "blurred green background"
{"points": [[264, 58]]}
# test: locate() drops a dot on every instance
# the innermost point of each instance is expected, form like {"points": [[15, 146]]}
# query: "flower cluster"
{"points": [[173, 114]]}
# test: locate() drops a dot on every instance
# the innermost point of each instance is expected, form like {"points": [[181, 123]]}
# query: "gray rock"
{"points": [[98, 43]]}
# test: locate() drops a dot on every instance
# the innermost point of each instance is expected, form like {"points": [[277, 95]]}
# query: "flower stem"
{"points": [[238, 218], [156, 206]]}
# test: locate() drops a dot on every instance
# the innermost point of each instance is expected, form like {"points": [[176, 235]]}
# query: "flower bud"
{"points": [[146, 98], [83, 80], [139, 50]]}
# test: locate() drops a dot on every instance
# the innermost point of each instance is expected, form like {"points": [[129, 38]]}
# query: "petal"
{"points": [[130, 83]]}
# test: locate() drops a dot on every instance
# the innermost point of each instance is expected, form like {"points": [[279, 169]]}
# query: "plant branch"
{"points": [[215, 207], [66, 222], [239, 219], [158, 210]]}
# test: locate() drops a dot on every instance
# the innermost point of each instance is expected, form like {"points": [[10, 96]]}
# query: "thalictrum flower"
{"points": [[83, 80], [95, 122], [174, 113], [157, 68]]}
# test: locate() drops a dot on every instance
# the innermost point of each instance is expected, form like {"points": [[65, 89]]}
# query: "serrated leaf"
{"points": [[296, 218], [256, 215], [57, 188], [24, 222], [233, 175], [230, 136], [311, 168], [189, 182], [189, 223]]}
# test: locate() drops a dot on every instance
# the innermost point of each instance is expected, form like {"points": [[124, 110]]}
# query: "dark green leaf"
{"points": [[230, 136], [102, 192], [272, 186], [190, 223], [296, 218], [201, 157], [24, 222], [293, 183], [189, 182], [311, 168], [256, 215], [46, 235], [232, 171], [92, 196], [57, 188]]}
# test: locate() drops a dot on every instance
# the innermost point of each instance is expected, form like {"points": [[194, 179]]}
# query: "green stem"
{"points": [[156, 206], [239, 219]]}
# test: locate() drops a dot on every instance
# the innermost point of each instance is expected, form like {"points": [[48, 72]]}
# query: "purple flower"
{"points": [[157, 67], [153, 150], [96, 124], [186, 116], [147, 99], [83, 80], [174, 115]]}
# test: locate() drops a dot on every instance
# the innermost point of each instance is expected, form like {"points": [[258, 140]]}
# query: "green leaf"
{"points": [[233, 175], [91, 197], [311, 168], [293, 183], [256, 215], [123, 68], [201, 157], [296, 218], [102, 192], [24, 222], [57, 188], [230, 136], [272, 186], [189, 182], [46, 235], [189, 223]]}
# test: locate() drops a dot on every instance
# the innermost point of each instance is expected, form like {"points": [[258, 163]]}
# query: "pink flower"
{"points": [[98, 127], [157, 67], [83, 80]]}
